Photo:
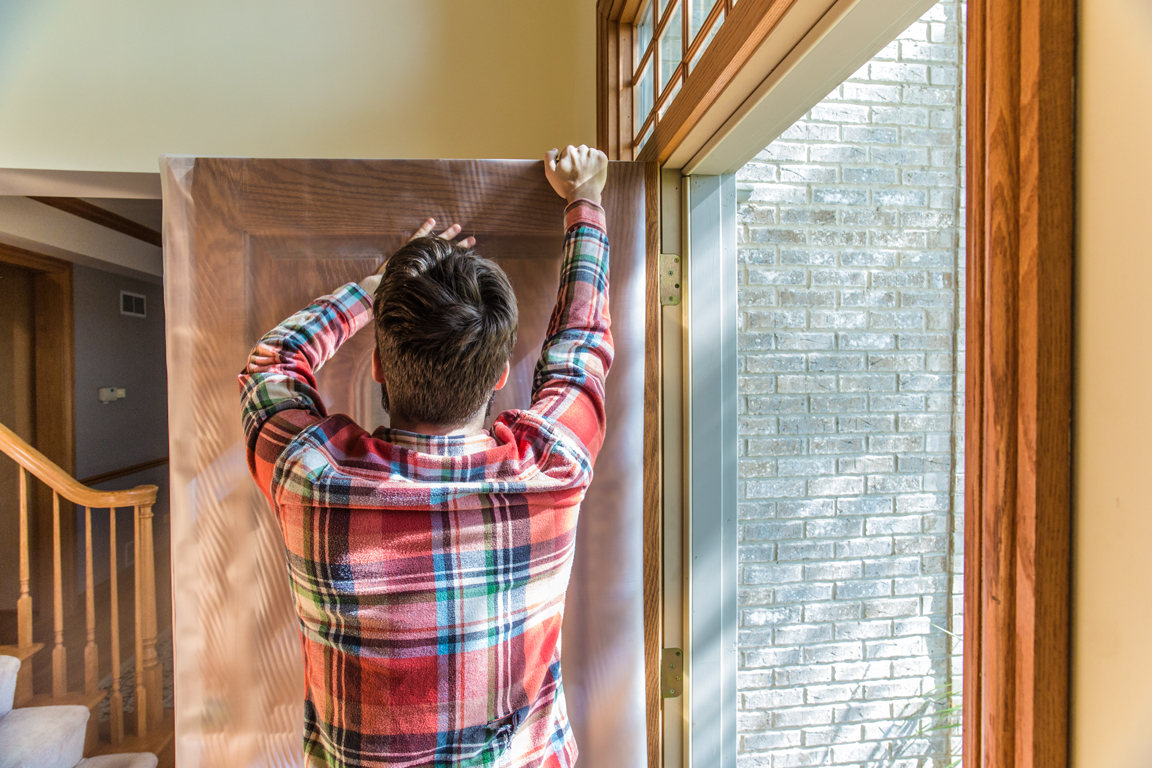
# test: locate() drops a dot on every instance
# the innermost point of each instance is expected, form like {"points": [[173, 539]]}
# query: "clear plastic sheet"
{"points": [[246, 243]]}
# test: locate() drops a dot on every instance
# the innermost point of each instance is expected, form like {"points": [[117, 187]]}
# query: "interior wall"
{"points": [[110, 86], [1112, 621], [115, 350]]}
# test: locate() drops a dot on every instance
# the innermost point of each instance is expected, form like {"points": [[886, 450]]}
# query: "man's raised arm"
{"points": [[568, 387]]}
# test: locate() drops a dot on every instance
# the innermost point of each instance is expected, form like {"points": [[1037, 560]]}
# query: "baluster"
{"points": [[149, 681], [91, 655], [59, 655], [24, 602], [116, 700]]}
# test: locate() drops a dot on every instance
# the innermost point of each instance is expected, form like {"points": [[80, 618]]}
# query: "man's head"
{"points": [[445, 328]]}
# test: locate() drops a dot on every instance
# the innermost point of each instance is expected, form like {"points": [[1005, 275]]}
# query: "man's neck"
{"points": [[473, 426]]}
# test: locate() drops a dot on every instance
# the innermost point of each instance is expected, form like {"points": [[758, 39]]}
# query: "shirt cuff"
{"points": [[369, 286], [354, 301], [584, 211]]}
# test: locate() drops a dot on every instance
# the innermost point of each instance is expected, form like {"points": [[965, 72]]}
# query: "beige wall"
{"points": [[111, 85], [1112, 624]]}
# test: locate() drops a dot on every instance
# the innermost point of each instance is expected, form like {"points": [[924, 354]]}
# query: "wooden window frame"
{"points": [[1021, 62], [747, 24], [1018, 431]]}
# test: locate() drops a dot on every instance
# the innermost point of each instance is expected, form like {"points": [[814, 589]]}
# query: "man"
{"points": [[430, 559]]}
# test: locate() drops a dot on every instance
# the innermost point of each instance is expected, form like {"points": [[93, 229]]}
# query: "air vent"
{"points": [[132, 304]]}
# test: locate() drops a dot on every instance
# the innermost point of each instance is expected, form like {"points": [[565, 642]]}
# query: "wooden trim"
{"points": [[605, 112], [103, 217], [627, 102], [750, 22], [653, 475], [116, 474], [973, 688], [37, 262], [614, 105], [1021, 122]]}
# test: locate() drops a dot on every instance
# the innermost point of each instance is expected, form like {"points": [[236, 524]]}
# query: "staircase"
{"points": [[57, 724]]}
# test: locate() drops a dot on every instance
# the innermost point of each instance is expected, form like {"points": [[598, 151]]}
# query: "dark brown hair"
{"points": [[445, 325]]}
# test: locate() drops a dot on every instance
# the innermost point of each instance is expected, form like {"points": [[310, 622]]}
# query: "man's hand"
{"points": [[370, 283], [577, 172]]}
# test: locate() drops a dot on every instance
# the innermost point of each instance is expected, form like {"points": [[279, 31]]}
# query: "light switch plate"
{"points": [[111, 394]]}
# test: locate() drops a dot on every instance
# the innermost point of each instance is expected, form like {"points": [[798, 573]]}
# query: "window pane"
{"points": [[647, 135], [850, 438], [645, 94], [670, 97], [644, 31], [671, 46], [707, 41], [698, 11]]}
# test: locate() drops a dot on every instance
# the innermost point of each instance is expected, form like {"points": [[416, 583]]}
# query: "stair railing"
{"points": [[149, 680]]}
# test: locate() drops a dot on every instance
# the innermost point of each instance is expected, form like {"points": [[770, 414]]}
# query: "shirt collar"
{"points": [[438, 445]]}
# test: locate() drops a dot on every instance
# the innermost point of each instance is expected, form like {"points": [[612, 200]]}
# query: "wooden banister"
{"points": [[149, 685], [91, 649], [116, 700], [66, 485], [59, 655]]}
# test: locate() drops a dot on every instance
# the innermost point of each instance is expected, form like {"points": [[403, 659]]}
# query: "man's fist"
{"points": [[577, 172]]}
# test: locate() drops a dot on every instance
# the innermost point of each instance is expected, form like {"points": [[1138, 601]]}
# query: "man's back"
{"points": [[429, 572]]}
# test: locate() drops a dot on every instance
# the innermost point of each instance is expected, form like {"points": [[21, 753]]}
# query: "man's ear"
{"points": [[377, 368], [504, 376]]}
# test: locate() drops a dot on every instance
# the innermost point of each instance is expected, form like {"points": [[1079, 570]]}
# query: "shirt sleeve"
{"points": [[568, 386], [279, 382]]}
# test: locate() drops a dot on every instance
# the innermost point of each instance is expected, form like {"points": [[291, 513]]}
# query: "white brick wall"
{"points": [[851, 397]]}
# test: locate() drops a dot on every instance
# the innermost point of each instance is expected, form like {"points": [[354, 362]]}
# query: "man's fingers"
{"points": [[425, 228], [550, 158], [451, 232], [468, 242]]}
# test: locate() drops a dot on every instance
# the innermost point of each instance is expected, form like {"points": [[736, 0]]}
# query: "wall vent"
{"points": [[133, 304]]}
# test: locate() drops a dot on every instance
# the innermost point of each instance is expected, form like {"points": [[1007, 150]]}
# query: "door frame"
{"points": [[1021, 106], [55, 434]]}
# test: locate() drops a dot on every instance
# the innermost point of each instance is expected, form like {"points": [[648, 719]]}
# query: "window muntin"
{"points": [[669, 33]]}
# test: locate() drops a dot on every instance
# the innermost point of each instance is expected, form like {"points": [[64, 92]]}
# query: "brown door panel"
{"points": [[249, 242]]}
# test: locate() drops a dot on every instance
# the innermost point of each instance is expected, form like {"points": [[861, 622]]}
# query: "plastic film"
{"points": [[247, 243]]}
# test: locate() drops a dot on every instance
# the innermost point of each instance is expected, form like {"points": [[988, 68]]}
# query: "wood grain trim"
{"points": [[116, 474], [38, 262], [974, 389], [653, 474], [614, 105], [605, 114], [623, 11], [750, 22], [1021, 124], [103, 217], [55, 417]]}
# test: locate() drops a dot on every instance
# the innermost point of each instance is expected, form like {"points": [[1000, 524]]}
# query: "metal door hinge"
{"points": [[669, 279], [671, 673]]}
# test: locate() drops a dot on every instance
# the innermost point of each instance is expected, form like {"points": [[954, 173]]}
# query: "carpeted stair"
{"points": [[49, 737]]}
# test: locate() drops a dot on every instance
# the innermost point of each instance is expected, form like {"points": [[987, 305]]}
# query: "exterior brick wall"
{"points": [[851, 398]]}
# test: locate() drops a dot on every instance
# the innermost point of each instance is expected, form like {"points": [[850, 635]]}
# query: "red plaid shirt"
{"points": [[429, 572]]}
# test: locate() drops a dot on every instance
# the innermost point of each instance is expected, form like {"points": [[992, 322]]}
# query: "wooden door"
{"points": [[248, 242]]}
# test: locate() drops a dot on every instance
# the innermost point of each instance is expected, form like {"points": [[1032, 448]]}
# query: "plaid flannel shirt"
{"points": [[429, 572]]}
